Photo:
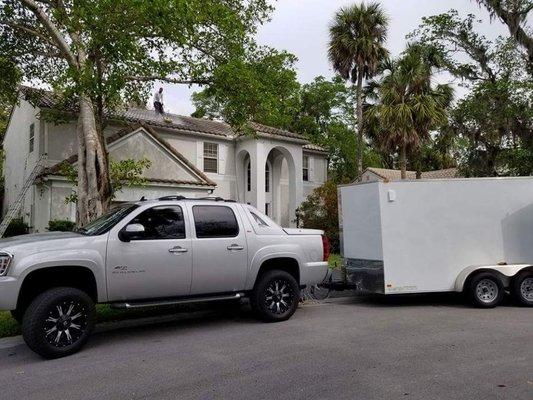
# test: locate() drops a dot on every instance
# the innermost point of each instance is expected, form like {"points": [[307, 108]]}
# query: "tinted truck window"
{"points": [[163, 222], [215, 221]]}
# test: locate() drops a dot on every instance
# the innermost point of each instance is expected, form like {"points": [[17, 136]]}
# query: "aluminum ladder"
{"points": [[15, 207]]}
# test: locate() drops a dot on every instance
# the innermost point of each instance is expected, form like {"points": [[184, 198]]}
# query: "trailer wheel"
{"points": [[522, 289], [485, 290]]}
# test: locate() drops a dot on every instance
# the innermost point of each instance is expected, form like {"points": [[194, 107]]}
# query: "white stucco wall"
{"points": [[49, 203], [19, 162], [225, 177], [186, 145], [61, 141], [139, 145], [154, 191]]}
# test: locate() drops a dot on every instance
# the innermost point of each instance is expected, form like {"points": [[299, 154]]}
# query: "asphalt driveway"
{"points": [[414, 348]]}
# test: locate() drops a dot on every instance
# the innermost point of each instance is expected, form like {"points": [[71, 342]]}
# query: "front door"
{"points": [[220, 250], [155, 263]]}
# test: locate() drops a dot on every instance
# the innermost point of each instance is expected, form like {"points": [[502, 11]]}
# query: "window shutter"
{"points": [[222, 156], [200, 155], [311, 169]]}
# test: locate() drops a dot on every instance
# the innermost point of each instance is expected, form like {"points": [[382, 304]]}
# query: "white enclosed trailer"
{"points": [[443, 235]]}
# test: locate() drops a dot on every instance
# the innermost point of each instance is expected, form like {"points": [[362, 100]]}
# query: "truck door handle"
{"points": [[178, 249], [235, 246]]}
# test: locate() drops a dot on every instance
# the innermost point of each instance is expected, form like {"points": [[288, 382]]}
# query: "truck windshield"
{"points": [[107, 221]]}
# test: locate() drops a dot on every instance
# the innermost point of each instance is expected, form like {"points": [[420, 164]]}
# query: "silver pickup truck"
{"points": [[150, 253]]}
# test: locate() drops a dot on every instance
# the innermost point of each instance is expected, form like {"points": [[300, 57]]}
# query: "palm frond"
{"points": [[357, 36]]}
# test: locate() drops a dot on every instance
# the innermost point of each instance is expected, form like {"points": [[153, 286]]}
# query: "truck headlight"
{"points": [[5, 260]]}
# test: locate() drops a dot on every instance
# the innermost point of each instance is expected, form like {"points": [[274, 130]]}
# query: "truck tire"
{"points": [[522, 288], [485, 290], [58, 322], [275, 296]]}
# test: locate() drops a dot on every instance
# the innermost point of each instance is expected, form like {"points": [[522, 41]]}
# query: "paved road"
{"points": [[415, 348]]}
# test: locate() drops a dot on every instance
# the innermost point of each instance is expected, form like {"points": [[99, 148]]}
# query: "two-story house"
{"points": [[274, 170]]}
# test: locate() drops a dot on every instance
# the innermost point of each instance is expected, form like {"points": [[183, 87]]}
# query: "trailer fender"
{"points": [[507, 270]]}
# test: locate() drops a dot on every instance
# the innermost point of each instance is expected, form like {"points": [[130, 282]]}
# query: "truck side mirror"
{"points": [[130, 232]]}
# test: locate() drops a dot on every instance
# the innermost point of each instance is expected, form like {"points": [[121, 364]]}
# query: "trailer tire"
{"points": [[522, 289], [485, 290]]}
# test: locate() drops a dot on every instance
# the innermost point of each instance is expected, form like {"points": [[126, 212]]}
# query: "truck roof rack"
{"points": [[196, 198], [172, 198]]}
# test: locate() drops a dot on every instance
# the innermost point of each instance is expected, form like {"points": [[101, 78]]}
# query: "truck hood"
{"points": [[39, 241], [298, 231]]}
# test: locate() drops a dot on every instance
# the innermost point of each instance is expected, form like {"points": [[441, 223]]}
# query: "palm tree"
{"points": [[408, 105], [356, 47]]}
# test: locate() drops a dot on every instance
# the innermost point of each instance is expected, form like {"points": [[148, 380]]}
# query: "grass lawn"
{"points": [[8, 326], [334, 260], [104, 313]]}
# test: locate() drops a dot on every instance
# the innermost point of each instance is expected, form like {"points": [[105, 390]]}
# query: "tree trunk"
{"points": [[359, 141], [81, 206], [103, 159], [416, 161], [403, 161], [94, 189]]}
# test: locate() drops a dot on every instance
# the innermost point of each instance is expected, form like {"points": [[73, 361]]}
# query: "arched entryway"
{"points": [[282, 197], [244, 177], [267, 179]]}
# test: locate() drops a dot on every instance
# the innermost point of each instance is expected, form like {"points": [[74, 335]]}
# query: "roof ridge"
{"points": [[387, 169], [393, 174]]}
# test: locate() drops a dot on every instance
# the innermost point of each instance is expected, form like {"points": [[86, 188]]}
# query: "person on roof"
{"points": [[158, 101]]}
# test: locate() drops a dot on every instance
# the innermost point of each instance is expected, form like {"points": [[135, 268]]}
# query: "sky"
{"points": [[301, 27]]}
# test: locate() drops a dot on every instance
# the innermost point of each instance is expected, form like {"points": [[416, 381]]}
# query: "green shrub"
{"points": [[320, 211], [61, 225], [17, 226]]}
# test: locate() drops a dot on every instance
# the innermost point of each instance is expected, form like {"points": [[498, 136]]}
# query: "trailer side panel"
{"points": [[432, 230], [360, 229]]}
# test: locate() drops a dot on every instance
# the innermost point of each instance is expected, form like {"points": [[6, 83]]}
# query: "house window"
{"points": [[210, 157], [267, 209], [267, 178], [249, 177], [32, 137], [306, 168]]}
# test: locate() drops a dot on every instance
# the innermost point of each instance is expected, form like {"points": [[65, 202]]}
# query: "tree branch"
{"points": [[53, 30], [41, 53], [32, 32], [169, 80], [512, 20], [475, 52]]}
